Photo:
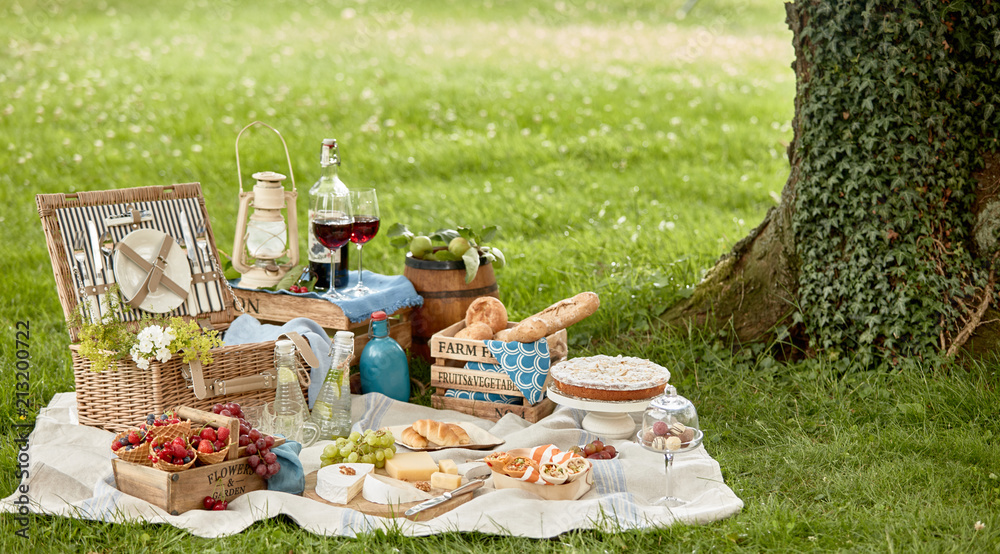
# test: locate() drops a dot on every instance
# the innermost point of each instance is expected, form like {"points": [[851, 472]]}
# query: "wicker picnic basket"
{"points": [[121, 397]]}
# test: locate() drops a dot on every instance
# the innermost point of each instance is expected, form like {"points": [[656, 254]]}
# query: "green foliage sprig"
{"points": [[110, 340]]}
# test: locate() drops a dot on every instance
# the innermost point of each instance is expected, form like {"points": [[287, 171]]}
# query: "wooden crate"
{"points": [[448, 372], [280, 308], [178, 492]]}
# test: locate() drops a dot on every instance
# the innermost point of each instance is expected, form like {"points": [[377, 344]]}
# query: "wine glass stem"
{"points": [[361, 251], [668, 461], [332, 272]]}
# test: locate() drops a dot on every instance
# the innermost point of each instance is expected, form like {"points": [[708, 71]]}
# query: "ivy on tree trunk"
{"points": [[883, 243]]}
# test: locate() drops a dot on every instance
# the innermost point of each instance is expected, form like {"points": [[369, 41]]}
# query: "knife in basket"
{"points": [[468, 487], [192, 254]]}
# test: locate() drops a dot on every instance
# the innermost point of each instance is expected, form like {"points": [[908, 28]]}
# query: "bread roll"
{"points": [[410, 437], [462, 434], [476, 331], [488, 310], [558, 316], [503, 335], [436, 432]]}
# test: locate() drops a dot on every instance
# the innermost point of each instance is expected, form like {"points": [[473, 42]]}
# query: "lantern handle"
{"points": [[239, 171]]}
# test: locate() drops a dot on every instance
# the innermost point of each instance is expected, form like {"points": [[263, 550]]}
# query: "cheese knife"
{"points": [[468, 487]]}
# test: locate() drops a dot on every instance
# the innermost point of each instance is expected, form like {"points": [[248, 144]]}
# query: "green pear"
{"points": [[420, 246], [458, 246]]}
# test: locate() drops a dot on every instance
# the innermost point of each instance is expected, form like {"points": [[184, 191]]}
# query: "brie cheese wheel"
{"points": [[334, 485], [386, 490]]}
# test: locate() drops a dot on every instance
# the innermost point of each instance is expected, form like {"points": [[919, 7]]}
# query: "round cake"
{"points": [[613, 378]]}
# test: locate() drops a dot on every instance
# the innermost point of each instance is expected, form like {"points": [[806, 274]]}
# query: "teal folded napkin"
{"points": [[291, 478]]}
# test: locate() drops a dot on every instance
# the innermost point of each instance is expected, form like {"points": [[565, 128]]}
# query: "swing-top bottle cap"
{"points": [[379, 316], [344, 338], [284, 347]]}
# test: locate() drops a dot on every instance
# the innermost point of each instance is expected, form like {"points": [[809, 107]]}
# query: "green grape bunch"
{"points": [[372, 447]]}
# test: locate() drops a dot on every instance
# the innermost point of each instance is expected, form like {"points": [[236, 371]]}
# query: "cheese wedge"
{"points": [[411, 466], [448, 466], [447, 481]]}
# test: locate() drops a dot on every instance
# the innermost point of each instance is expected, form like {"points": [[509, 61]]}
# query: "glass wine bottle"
{"points": [[384, 368], [319, 255], [332, 409]]}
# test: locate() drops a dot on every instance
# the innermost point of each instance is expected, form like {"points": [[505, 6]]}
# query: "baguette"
{"points": [[556, 317], [462, 434], [436, 432], [411, 437]]}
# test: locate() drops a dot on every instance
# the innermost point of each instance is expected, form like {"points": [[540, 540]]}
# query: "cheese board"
{"points": [[359, 503]]}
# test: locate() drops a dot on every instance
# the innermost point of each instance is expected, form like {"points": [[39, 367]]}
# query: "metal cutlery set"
{"points": [[97, 262]]}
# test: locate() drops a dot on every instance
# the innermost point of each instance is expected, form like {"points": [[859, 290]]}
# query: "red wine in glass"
{"points": [[333, 233], [365, 228]]}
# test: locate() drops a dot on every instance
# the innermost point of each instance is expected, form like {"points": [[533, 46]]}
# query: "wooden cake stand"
{"points": [[605, 419]]}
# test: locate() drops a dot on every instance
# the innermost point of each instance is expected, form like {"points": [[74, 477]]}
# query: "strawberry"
{"points": [[179, 441], [179, 451], [206, 447], [208, 433]]}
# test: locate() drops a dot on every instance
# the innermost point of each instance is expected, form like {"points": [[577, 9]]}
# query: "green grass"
{"points": [[621, 150]]}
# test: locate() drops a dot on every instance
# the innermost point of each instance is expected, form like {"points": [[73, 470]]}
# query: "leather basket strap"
{"points": [[154, 272]]}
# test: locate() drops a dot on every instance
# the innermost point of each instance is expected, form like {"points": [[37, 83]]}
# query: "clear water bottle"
{"points": [[384, 368], [332, 409], [289, 408]]}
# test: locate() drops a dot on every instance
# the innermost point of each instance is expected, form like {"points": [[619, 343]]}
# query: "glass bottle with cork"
{"points": [[384, 368], [319, 255]]}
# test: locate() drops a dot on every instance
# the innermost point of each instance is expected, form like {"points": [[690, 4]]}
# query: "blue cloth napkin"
{"points": [[527, 365], [390, 293], [246, 329], [291, 478]]}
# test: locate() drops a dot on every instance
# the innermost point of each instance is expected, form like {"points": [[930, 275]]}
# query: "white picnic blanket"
{"points": [[82, 485]]}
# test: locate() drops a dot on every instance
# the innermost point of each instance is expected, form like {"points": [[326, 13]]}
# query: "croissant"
{"points": [[435, 431], [410, 437], [462, 434]]}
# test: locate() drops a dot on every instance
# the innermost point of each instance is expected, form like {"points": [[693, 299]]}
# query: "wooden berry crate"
{"points": [[178, 492], [450, 355], [280, 308]]}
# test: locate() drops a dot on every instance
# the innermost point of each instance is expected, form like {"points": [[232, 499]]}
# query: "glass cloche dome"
{"points": [[670, 422]]}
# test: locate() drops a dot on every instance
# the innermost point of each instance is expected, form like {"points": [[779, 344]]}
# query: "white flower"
{"points": [[167, 337], [163, 355], [979, 526], [142, 363]]}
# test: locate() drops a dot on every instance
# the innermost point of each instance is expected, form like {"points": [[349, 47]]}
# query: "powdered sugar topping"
{"points": [[610, 373]]}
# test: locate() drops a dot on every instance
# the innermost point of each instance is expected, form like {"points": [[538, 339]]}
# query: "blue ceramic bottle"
{"points": [[384, 368]]}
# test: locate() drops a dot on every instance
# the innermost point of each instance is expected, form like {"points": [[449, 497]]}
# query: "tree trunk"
{"points": [[885, 238]]}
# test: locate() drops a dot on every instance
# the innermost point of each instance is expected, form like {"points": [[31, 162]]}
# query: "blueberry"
{"points": [[187, 459]]}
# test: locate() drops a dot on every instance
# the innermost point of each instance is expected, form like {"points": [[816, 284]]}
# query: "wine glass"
{"points": [[366, 222], [332, 225]]}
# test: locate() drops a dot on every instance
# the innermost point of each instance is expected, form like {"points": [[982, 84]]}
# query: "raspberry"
{"points": [[115, 446]]}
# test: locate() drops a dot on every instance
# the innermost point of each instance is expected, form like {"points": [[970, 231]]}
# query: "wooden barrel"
{"points": [[446, 295]]}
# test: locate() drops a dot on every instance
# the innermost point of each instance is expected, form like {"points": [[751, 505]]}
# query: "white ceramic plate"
{"points": [[481, 440], [146, 243]]}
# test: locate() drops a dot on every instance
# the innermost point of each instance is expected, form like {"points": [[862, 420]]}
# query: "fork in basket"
{"points": [[80, 255]]}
